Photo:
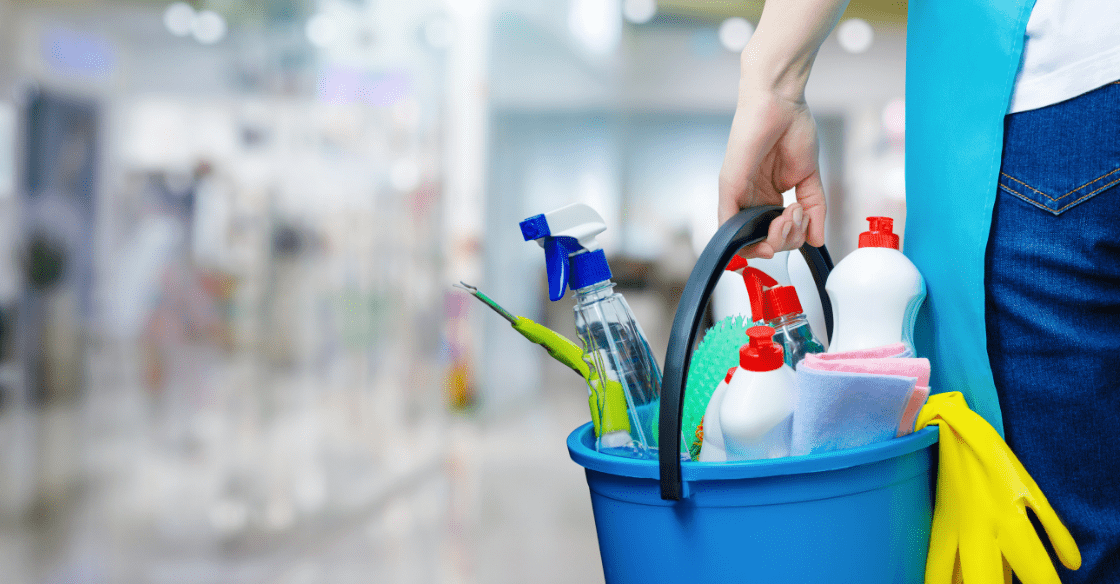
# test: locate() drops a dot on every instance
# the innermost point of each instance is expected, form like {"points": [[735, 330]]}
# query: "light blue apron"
{"points": [[961, 61]]}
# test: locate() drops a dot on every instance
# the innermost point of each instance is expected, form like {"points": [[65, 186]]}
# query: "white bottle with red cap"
{"points": [[756, 412], [712, 449], [876, 292]]}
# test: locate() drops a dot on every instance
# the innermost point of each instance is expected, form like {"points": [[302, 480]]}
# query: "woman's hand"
{"points": [[773, 144], [773, 148]]}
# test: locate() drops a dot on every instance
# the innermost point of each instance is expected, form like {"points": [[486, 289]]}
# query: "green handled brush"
{"points": [[717, 352], [606, 400]]}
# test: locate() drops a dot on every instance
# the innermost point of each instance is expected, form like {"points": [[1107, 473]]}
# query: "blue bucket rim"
{"points": [[581, 447]]}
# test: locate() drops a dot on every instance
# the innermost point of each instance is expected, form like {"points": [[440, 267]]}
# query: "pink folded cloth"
{"points": [[895, 350], [913, 407], [917, 367], [858, 362]]}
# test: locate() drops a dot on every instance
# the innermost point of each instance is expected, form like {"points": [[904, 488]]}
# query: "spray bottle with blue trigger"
{"points": [[613, 342]]}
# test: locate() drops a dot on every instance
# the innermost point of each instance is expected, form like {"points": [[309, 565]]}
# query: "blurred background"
{"points": [[229, 346]]}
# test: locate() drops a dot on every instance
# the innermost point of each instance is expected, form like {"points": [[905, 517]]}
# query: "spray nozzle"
{"points": [[756, 281], [769, 298], [572, 253]]}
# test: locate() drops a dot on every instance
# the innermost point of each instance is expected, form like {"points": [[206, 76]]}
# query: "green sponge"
{"points": [[717, 352]]}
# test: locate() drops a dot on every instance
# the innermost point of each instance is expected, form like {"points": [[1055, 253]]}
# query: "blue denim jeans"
{"points": [[1052, 280]]}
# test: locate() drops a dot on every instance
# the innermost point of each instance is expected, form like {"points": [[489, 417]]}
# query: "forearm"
{"points": [[781, 53]]}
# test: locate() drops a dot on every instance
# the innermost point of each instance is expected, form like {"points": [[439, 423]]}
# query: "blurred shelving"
{"points": [[267, 378]]}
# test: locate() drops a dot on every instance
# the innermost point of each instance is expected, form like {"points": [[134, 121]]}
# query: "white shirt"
{"points": [[1073, 46]]}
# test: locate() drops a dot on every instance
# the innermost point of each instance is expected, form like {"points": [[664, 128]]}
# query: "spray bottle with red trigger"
{"points": [[778, 306]]}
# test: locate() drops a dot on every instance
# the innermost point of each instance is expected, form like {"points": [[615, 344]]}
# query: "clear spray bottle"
{"points": [[613, 342]]}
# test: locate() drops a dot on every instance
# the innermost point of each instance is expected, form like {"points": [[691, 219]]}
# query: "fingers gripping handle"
{"points": [[748, 227]]}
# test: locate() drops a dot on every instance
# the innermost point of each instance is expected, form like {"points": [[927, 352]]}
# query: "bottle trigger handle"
{"points": [[755, 279], [557, 253], [556, 263]]}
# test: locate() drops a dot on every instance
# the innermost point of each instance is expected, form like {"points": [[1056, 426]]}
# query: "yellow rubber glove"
{"points": [[981, 531]]}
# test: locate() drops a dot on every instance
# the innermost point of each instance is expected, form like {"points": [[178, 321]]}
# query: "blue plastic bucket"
{"points": [[857, 515]]}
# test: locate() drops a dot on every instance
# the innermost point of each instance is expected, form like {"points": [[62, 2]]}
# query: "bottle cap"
{"points": [[780, 301], [730, 373], [587, 269], [880, 234], [761, 353]]}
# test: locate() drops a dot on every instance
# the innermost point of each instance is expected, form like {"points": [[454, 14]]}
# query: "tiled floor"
{"points": [[506, 506], [501, 503]]}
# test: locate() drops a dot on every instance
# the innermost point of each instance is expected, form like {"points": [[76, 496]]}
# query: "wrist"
{"points": [[766, 67]]}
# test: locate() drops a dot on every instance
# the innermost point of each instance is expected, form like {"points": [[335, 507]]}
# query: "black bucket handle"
{"points": [[747, 227]]}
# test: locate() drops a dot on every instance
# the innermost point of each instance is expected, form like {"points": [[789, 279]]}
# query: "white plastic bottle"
{"points": [[712, 449], [876, 292], [756, 413]]}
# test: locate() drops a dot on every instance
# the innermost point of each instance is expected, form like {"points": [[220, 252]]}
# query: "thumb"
{"points": [[810, 193], [728, 207], [1060, 538]]}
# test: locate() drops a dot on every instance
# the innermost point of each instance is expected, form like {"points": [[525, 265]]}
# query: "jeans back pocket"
{"points": [[1060, 155]]}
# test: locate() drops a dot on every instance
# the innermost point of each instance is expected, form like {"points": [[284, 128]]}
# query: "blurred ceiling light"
{"points": [[639, 11], [734, 34], [894, 117], [208, 27], [437, 33], [321, 30], [597, 24], [855, 35], [179, 18]]}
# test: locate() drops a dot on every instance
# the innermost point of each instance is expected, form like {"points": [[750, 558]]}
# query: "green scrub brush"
{"points": [[717, 352]]}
